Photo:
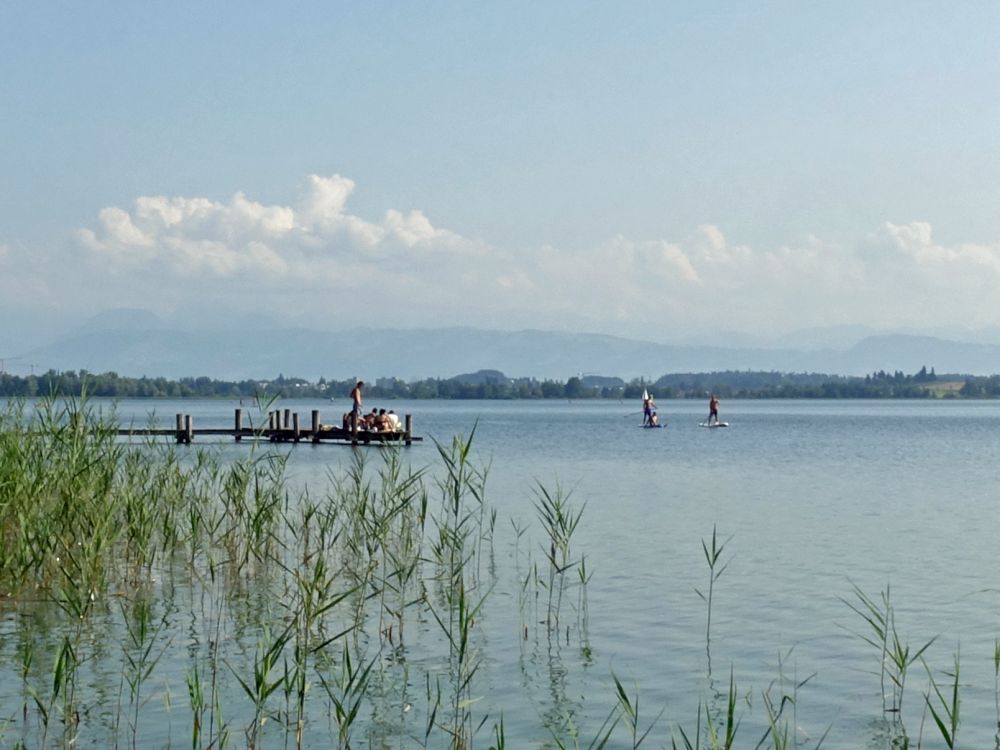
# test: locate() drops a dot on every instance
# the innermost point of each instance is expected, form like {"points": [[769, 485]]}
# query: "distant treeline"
{"points": [[728, 384]]}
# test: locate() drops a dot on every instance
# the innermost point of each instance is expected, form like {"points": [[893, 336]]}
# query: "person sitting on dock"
{"points": [[393, 421]]}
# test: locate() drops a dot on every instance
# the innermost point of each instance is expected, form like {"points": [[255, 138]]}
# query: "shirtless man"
{"points": [[713, 409], [356, 399], [647, 410]]}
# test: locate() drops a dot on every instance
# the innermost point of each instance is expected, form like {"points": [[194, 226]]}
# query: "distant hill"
{"points": [[420, 353], [601, 381], [482, 377]]}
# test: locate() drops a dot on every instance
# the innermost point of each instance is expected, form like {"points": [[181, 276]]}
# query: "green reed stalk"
{"points": [[559, 521], [714, 739], [347, 695], [895, 655], [629, 708], [140, 658], [316, 598], [944, 707], [199, 706], [713, 557], [783, 731], [263, 685], [462, 492]]}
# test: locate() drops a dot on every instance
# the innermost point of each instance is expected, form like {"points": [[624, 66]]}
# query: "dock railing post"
{"points": [[287, 422], [238, 425], [180, 428], [315, 425], [188, 428], [295, 426], [354, 429], [408, 432]]}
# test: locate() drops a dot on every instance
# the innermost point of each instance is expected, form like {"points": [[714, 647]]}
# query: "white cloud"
{"points": [[195, 236], [915, 242], [314, 254]]}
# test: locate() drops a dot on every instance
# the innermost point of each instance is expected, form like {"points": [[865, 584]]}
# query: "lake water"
{"points": [[810, 497]]}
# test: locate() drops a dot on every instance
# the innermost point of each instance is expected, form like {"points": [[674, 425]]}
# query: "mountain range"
{"points": [[135, 343]]}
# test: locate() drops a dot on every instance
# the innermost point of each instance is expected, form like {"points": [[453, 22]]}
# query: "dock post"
{"points": [[408, 433], [188, 428], [287, 422], [295, 426], [354, 429], [270, 426], [238, 425], [180, 428], [315, 423]]}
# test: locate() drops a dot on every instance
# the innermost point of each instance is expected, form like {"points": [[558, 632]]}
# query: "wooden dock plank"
{"points": [[282, 427]]}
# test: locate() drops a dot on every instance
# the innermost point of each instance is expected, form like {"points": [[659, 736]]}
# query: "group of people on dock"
{"points": [[377, 420]]}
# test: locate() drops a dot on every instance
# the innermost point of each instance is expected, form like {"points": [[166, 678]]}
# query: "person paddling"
{"points": [[713, 409], [648, 405]]}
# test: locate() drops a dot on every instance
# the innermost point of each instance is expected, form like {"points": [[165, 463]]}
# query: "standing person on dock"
{"points": [[713, 409], [356, 400]]}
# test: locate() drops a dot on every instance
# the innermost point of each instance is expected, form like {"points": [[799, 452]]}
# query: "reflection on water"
{"points": [[813, 498]]}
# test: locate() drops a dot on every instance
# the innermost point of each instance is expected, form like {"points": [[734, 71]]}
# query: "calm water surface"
{"points": [[810, 497]]}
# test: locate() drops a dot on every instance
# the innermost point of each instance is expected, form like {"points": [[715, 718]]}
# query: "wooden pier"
{"points": [[282, 426]]}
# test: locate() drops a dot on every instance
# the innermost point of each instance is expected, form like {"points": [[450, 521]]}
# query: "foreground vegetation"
{"points": [[492, 385], [164, 597]]}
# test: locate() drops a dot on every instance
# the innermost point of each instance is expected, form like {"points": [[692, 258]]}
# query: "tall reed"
{"points": [[895, 656], [559, 521], [716, 567]]}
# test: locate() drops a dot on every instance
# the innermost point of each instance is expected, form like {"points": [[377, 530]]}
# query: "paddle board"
{"points": [[716, 424]]}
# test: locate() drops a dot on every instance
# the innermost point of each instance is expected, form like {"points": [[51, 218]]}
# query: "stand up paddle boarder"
{"points": [[713, 410], [648, 405]]}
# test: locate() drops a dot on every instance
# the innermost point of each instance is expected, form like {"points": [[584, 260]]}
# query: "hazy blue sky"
{"points": [[662, 170]]}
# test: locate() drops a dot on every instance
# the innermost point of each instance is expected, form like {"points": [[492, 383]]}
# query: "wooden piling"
{"points": [[238, 425], [188, 429], [287, 421], [408, 430], [295, 426], [354, 428], [315, 425], [180, 428]]}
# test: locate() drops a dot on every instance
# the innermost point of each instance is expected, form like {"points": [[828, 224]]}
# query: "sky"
{"points": [[668, 171]]}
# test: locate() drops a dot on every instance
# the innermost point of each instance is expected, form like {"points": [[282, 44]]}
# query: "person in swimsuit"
{"points": [[356, 400], [713, 409], [647, 410]]}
